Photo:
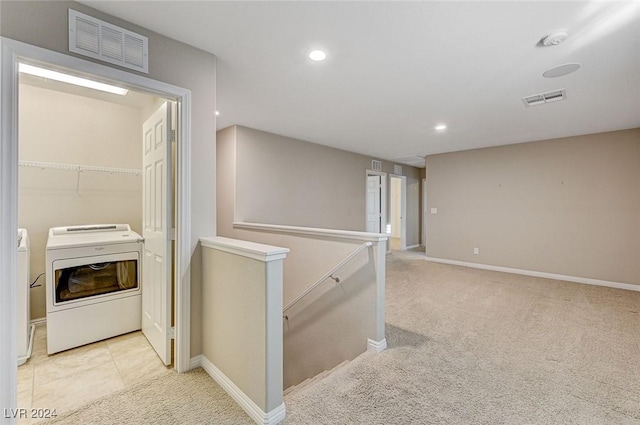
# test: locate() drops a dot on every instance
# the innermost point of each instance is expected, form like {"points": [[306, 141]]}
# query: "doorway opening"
{"points": [[398, 213], [14, 53], [88, 196], [424, 214]]}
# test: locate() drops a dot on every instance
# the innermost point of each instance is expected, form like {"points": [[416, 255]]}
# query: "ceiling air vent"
{"points": [[376, 165], [100, 40], [548, 97]]}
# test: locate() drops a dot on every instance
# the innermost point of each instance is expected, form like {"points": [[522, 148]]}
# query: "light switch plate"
{"points": [[434, 211]]}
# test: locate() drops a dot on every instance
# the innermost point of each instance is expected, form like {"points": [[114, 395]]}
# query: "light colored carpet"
{"points": [[191, 398], [465, 347], [479, 347]]}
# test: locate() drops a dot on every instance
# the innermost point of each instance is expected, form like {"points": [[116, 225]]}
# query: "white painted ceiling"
{"points": [[396, 69], [137, 100]]}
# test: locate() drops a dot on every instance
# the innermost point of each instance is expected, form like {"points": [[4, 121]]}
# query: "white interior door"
{"points": [[156, 267], [374, 204]]}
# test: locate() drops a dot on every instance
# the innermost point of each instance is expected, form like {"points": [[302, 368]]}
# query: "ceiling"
{"points": [[133, 99], [396, 69]]}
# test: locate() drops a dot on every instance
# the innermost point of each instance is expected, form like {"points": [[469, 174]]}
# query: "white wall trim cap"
{"points": [[313, 231], [377, 346], [257, 251], [259, 416], [576, 279]]}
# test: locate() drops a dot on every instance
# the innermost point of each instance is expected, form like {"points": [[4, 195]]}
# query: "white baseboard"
{"points": [[23, 359], [259, 416], [38, 322], [586, 280], [195, 362], [377, 346], [413, 246]]}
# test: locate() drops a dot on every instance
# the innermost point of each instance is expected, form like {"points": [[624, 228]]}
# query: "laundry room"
{"points": [[81, 161]]}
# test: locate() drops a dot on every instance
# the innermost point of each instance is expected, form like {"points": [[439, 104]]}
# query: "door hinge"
{"points": [[172, 333], [172, 234], [173, 136]]}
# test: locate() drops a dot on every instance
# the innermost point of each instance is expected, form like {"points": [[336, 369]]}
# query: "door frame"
{"points": [[403, 208], [383, 199], [11, 53], [424, 213]]}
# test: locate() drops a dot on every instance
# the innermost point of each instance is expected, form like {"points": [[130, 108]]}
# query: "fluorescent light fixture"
{"points": [[440, 127], [317, 55], [70, 79]]}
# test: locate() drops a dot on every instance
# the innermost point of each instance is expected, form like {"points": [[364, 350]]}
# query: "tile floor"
{"points": [[73, 378]]}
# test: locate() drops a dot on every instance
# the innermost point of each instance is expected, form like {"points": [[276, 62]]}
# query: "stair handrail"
{"points": [[327, 275]]}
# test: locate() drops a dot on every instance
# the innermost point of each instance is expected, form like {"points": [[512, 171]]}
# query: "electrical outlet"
{"points": [[476, 251]]}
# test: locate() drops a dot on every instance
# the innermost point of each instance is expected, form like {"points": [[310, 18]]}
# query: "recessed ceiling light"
{"points": [[317, 55], [217, 113], [70, 79], [440, 127]]}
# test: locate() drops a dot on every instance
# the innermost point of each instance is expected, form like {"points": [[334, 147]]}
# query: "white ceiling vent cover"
{"points": [[100, 40], [548, 97], [376, 165]]}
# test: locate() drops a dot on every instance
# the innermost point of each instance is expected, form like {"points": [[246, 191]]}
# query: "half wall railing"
{"points": [[337, 322]]}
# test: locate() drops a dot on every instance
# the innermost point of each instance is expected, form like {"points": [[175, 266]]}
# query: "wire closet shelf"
{"points": [[78, 169]]}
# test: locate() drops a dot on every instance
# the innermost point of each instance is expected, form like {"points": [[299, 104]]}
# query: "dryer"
{"points": [[93, 285]]}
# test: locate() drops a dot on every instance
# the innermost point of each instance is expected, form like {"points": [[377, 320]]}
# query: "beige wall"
{"points": [[280, 180], [71, 129], [226, 180], [233, 291], [395, 211], [44, 24], [349, 317], [242, 333], [332, 323], [567, 206], [414, 207]]}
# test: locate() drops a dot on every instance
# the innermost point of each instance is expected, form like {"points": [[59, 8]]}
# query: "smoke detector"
{"points": [[554, 38]]}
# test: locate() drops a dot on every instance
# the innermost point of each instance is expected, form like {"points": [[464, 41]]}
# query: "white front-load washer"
{"points": [[94, 284]]}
